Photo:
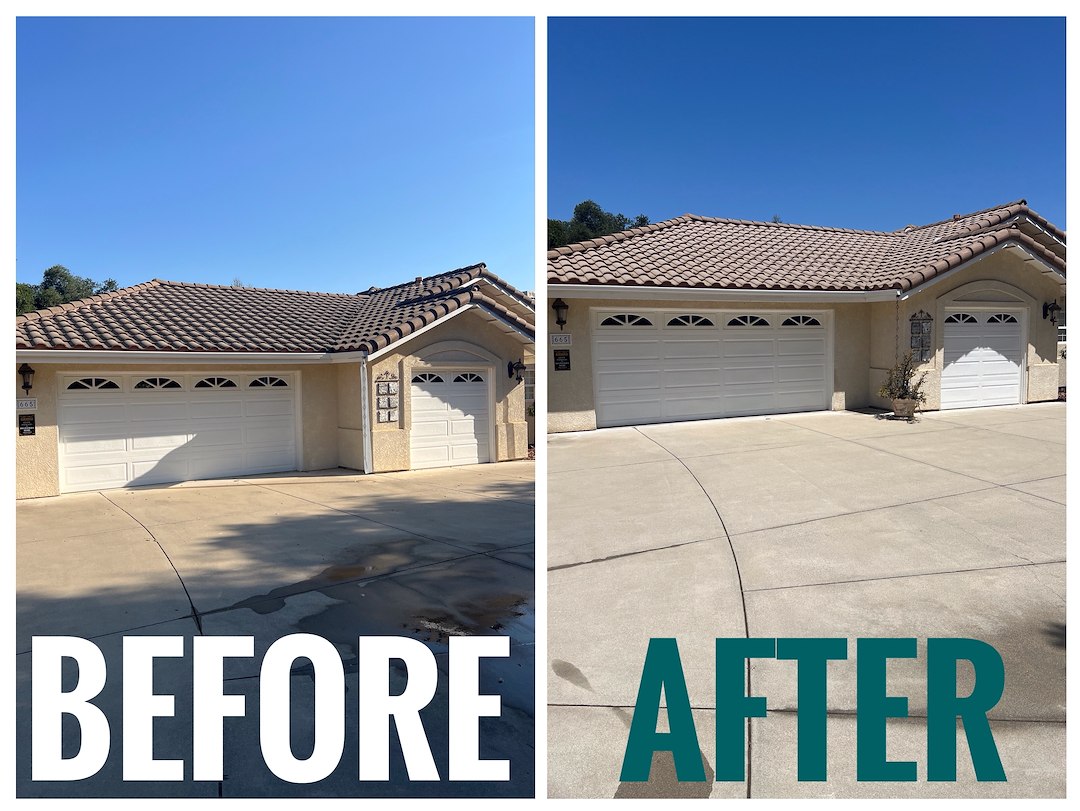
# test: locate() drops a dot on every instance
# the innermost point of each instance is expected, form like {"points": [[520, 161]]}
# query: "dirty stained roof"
{"points": [[711, 252], [181, 316]]}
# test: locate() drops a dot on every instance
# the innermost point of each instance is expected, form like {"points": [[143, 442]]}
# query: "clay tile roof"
{"points": [[711, 252], [182, 316]]}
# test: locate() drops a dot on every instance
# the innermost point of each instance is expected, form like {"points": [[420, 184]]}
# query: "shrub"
{"points": [[900, 382]]}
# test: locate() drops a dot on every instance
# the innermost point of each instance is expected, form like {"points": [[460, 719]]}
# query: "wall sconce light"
{"points": [[560, 307], [515, 367], [1050, 310], [27, 377]]}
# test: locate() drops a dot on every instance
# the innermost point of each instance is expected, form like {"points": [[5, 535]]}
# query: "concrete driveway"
{"points": [[425, 554], [836, 524]]}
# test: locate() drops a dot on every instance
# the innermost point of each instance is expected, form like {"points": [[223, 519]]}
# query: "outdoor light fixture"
{"points": [[27, 377], [560, 307], [515, 367], [1050, 310]]}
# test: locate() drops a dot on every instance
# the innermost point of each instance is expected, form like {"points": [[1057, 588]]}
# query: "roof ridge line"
{"points": [[770, 224], [1020, 202]]}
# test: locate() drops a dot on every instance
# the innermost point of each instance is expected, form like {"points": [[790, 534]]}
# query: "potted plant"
{"points": [[902, 387]]}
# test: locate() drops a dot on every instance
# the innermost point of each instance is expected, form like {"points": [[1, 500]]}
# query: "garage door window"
{"points": [[157, 383], [961, 318], [268, 382], [468, 377], [216, 383], [626, 320], [1001, 318], [801, 321], [690, 321], [748, 321], [94, 383], [427, 377]]}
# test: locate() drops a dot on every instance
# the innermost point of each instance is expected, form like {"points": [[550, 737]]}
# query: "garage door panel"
{"points": [[268, 406], [747, 375], [749, 348], [94, 477], [629, 381], [639, 349], [808, 346], [209, 410], [708, 376], [800, 373], [675, 350], [89, 415], [691, 407], [206, 437], [157, 441]]}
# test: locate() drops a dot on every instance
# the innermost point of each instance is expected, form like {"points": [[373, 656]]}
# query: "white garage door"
{"points": [[984, 354], [667, 366], [121, 430], [450, 418]]}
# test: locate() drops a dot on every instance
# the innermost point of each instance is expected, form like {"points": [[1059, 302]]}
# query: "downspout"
{"points": [[365, 414]]}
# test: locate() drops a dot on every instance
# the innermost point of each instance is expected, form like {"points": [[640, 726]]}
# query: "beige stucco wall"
{"points": [[37, 457], [350, 423], [570, 393], [464, 339], [1003, 277]]}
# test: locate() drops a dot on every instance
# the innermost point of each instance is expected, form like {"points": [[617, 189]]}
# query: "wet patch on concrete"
{"points": [[567, 671]]}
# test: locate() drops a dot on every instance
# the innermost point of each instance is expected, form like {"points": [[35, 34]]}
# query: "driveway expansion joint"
{"points": [[742, 596], [194, 611], [906, 576]]}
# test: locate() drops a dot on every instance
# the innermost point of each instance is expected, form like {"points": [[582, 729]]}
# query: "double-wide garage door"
{"points": [[984, 354], [131, 429], [654, 366], [451, 418]]}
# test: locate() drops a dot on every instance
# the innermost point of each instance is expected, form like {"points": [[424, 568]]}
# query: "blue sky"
{"points": [[858, 123], [319, 154]]}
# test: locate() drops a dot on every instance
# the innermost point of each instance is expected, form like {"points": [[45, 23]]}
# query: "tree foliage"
{"points": [[589, 221], [58, 286]]}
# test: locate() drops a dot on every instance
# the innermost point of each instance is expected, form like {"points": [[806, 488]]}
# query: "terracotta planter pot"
{"points": [[904, 409]]}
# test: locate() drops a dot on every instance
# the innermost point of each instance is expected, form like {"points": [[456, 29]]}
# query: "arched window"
{"points": [[157, 383], [801, 321], [626, 320], [93, 383], [748, 321], [427, 377], [690, 321], [267, 382], [216, 383]]}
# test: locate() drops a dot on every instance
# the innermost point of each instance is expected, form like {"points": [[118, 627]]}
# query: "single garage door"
{"points": [[126, 430], [451, 422], [984, 354], [667, 366]]}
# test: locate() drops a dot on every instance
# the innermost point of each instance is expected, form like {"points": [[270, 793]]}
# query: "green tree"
{"points": [[589, 221], [58, 286], [24, 298]]}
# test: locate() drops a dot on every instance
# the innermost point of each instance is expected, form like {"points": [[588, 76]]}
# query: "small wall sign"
{"points": [[562, 360], [562, 339], [386, 397], [26, 403], [27, 424]]}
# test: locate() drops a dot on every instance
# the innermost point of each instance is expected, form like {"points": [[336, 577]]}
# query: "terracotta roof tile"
{"points": [[712, 252], [183, 316]]}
